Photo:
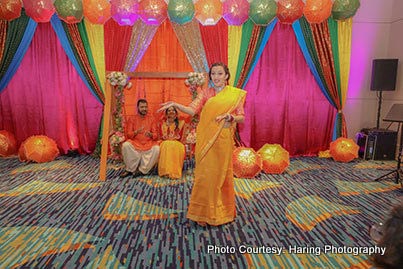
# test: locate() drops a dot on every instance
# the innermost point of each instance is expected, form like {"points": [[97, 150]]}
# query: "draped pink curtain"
{"points": [[284, 105], [46, 96]]}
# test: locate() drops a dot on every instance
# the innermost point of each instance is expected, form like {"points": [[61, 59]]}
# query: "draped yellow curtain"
{"points": [[95, 34], [344, 30], [164, 54], [234, 45]]}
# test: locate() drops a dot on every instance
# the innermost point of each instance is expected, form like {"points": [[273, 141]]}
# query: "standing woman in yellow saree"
{"points": [[212, 199], [172, 151]]}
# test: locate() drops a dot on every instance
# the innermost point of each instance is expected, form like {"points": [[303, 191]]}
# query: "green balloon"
{"points": [[181, 11], [70, 11], [344, 9], [262, 12]]}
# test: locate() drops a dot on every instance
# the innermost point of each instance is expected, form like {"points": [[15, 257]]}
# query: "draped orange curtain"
{"points": [[164, 54]]}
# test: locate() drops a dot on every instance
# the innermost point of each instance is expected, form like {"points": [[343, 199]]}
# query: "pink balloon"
{"points": [[235, 11], [39, 10], [125, 12], [10, 9]]}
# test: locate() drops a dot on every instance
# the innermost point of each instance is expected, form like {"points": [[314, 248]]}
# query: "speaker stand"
{"points": [[378, 116]]}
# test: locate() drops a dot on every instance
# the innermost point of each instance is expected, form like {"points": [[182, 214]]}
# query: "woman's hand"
{"points": [[227, 117], [166, 105]]}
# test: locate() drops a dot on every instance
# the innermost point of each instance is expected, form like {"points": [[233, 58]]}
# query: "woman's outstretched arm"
{"points": [[185, 109]]}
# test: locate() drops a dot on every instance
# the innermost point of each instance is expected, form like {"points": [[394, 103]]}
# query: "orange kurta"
{"points": [[145, 124], [213, 195], [172, 151]]}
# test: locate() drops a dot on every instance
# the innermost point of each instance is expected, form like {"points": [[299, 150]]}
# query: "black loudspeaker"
{"points": [[384, 72], [377, 144]]}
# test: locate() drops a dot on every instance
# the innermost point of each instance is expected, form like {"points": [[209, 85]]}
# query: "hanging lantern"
{"points": [[125, 12], [246, 162], [344, 9], [181, 11], [39, 148], [344, 150], [262, 12], [8, 143], [70, 11], [153, 12], [39, 10], [316, 11], [289, 10], [208, 12], [10, 9], [97, 11], [275, 158], [235, 12]]}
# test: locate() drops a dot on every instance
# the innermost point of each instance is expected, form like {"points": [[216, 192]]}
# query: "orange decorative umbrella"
{"points": [[21, 153], [8, 143], [344, 150], [275, 158], [40, 149], [247, 163]]}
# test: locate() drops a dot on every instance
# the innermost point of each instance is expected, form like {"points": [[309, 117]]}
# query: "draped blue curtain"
{"points": [[265, 38], [21, 24]]}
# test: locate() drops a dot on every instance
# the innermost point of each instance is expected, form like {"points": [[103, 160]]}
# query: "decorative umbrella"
{"points": [[40, 149], [8, 143], [247, 163], [344, 150], [275, 158]]}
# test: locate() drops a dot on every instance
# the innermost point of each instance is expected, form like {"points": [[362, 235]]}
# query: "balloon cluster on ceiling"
{"points": [[154, 12]]}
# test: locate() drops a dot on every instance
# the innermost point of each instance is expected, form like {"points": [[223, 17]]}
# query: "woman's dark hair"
{"points": [[392, 240], [223, 65], [176, 120]]}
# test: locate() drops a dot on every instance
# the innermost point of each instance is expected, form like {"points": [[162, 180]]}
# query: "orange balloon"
{"points": [[153, 12], [8, 144], [289, 11], [275, 158], [40, 149], [97, 11], [208, 12], [344, 150], [246, 162], [317, 11]]}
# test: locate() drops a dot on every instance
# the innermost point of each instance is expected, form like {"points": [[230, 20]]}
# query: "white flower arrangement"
{"points": [[117, 78], [195, 79]]}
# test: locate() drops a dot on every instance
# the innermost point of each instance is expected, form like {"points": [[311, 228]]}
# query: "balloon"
{"points": [[181, 11], [70, 11], [125, 12], [344, 150], [236, 12], [246, 162], [39, 10], [208, 12], [97, 11], [344, 9], [275, 158], [262, 12], [10, 9], [289, 10], [316, 11], [153, 12]]}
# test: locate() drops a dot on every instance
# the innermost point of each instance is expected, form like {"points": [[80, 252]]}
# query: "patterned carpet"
{"points": [[58, 215]]}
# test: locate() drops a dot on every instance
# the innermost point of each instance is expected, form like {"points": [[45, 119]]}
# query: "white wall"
{"points": [[377, 33]]}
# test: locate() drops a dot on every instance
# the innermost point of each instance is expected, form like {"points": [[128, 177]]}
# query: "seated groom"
{"points": [[140, 151]]}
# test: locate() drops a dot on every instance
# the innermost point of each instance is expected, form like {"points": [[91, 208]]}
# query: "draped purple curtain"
{"points": [[46, 96], [284, 104]]}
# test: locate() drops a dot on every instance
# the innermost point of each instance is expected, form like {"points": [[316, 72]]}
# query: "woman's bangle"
{"points": [[230, 118]]}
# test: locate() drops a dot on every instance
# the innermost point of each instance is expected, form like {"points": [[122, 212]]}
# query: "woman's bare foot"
{"points": [[202, 223]]}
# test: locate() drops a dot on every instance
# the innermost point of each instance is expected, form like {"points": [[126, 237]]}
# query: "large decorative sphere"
{"points": [[275, 158], [153, 12], [39, 148], [344, 150], [39, 10], [235, 12], [208, 12], [97, 11], [344, 9], [317, 11], [289, 10], [125, 12], [262, 12], [181, 11], [246, 162], [8, 144], [10, 9], [70, 11]]}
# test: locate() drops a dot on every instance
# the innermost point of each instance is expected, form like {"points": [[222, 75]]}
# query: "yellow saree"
{"points": [[213, 196]]}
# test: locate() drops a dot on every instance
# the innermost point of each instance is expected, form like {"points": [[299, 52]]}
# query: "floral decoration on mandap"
{"points": [[194, 81], [119, 81]]}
